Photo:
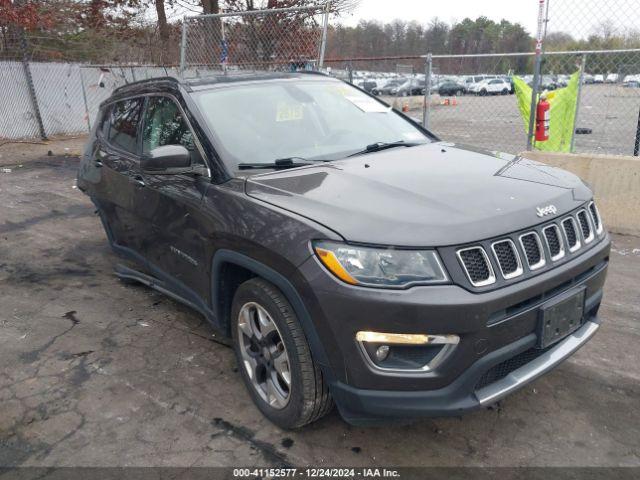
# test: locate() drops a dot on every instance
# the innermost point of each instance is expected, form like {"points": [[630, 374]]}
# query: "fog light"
{"points": [[382, 352]]}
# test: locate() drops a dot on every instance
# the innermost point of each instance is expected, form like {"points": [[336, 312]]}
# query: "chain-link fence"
{"points": [[470, 99], [609, 109], [465, 98], [273, 39], [608, 104]]}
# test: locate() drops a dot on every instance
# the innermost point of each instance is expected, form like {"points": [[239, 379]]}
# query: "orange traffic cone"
{"points": [[405, 107]]}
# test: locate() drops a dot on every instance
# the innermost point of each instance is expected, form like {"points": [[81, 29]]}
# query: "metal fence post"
{"points": [[426, 107], [30, 86], [575, 116], [323, 43], [636, 148], [536, 72], [183, 45], [84, 98]]}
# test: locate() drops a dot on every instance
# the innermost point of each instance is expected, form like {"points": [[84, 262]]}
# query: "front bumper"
{"points": [[359, 406], [495, 328]]}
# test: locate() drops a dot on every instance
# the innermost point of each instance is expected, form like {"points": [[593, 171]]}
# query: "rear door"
{"points": [[115, 157], [170, 205]]}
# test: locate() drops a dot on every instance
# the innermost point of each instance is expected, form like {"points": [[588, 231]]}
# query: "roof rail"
{"points": [[126, 86]]}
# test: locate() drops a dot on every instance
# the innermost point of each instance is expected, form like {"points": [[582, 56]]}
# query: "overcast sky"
{"points": [[522, 11], [577, 17]]}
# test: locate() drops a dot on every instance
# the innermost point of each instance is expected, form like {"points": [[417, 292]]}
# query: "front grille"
{"points": [[501, 370], [554, 242], [521, 254], [476, 265], [595, 215], [532, 249], [585, 226], [508, 258], [570, 233]]}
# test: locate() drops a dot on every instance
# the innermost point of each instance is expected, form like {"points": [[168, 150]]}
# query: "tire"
{"points": [[308, 397], [505, 92]]}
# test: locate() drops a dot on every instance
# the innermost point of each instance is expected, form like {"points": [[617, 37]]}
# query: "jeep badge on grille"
{"points": [[548, 210]]}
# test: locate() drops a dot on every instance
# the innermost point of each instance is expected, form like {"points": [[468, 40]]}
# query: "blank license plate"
{"points": [[560, 317]]}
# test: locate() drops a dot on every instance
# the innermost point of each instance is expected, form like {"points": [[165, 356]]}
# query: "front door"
{"points": [[171, 204]]}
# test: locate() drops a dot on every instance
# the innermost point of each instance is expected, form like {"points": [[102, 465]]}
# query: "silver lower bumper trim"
{"points": [[532, 370]]}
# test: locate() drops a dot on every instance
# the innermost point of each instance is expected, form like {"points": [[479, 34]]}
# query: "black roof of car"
{"points": [[209, 81]]}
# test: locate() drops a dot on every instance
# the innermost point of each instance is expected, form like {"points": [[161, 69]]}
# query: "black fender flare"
{"points": [[223, 256]]}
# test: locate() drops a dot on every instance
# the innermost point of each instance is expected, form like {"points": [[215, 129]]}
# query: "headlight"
{"points": [[377, 267]]}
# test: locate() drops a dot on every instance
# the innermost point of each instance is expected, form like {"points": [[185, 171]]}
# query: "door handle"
{"points": [[139, 181], [98, 163]]}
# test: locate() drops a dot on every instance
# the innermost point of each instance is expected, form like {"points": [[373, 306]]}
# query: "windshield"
{"points": [[312, 120]]}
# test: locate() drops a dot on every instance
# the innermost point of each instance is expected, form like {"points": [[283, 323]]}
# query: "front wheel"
{"points": [[483, 92], [274, 357]]}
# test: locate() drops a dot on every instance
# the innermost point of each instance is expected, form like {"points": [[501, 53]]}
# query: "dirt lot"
{"points": [[494, 122], [96, 372]]}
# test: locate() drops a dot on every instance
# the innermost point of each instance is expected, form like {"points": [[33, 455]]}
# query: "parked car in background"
{"points": [[368, 85], [509, 80], [562, 80], [599, 78], [412, 86], [612, 78], [547, 82], [587, 79], [345, 252], [449, 87], [387, 88], [473, 79], [495, 86]]}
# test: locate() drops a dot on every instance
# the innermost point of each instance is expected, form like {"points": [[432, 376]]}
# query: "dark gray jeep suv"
{"points": [[350, 255]]}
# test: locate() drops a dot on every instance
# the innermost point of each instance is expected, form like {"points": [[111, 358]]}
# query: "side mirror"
{"points": [[169, 159]]}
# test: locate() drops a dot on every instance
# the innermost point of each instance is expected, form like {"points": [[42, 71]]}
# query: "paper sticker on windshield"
{"points": [[289, 112], [367, 104]]}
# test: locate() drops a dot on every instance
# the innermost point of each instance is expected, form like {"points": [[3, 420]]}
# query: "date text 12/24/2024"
{"points": [[315, 473]]}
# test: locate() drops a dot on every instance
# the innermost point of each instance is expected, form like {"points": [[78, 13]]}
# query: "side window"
{"points": [[103, 128], [124, 119], [165, 125]]}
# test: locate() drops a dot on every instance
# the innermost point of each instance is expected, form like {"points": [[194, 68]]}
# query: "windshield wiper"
{"points": [[376, 147], [280, 163]]}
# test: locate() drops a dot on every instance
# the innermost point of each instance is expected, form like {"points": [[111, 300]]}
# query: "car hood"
{"points": [[437, 194]]}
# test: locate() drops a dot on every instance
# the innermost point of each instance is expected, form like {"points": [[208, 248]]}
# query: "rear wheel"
{"points": [[505, 91], [483, 92], [274, 357]]}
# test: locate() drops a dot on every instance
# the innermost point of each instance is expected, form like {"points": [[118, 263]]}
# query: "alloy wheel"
{"points": [[264, 355]]}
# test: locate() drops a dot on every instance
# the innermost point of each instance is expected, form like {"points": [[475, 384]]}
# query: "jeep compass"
{"points": [[348, 254]]}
